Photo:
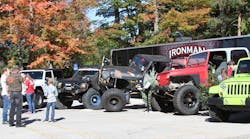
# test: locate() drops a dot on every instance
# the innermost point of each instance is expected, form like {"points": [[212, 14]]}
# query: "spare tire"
{"points": [[92, 99], [186, 100], [39, 98], [114, 100]]}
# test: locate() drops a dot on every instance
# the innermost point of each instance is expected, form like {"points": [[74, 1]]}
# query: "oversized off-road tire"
{"points": [[62, 104], [92, 99], [218, 114], [39, 98], [186, 100], [1, 102], [159, 105], [113, 100]]}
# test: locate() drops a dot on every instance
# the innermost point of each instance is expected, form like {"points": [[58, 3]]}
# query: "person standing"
{"points": [[14, 82], [5, 95], [29, 93], [51, 95], [230, 68], [223, 75]]}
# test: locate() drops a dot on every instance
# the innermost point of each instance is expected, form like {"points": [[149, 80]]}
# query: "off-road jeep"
{"points": [[115, 83], [231, 95], [78, 87], [40, 77], [179, 87]]}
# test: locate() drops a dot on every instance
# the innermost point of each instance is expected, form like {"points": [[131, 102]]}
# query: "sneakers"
{"points": [[45, 121], [20, 125], [4, 122], [52, 121]]}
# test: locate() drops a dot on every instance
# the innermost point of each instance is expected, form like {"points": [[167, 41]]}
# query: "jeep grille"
{"points": [[238, 89]]}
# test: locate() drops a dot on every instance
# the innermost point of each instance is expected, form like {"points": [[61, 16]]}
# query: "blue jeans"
{"points": [[52, 105], [31, 104], [6, 106]]}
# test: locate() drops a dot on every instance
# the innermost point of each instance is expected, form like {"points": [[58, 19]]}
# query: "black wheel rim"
{"points": [[113, 101], [189, 100]]}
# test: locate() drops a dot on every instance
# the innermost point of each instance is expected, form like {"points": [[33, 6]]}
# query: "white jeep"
{"points": [[40, 77]]}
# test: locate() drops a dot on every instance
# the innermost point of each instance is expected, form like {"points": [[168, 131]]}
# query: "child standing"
{"points": [[51, 95], [30, 93]]}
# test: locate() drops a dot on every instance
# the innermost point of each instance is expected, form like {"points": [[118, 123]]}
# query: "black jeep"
{"points": [[115, 82], [79, 87]]}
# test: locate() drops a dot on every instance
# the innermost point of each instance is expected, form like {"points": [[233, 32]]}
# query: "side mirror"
{"points": [[107, 61]]}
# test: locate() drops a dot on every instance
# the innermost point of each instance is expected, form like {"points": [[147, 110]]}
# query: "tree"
{"points": [[225, 16], [56, 31]]}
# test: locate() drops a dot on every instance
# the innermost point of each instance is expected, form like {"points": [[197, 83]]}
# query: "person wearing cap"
{"points": [[5, 95], [14, 82]]}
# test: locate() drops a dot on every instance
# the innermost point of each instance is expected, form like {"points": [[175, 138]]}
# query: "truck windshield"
{"points": [[140, 61], [81, 73], [244, 66], [197, 59], [34, 74]]}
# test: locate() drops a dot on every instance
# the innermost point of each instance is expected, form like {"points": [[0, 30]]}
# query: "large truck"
{"points": [[177, 50]]}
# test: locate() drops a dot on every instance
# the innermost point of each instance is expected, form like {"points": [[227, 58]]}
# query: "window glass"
{"points": [[48, 75], [35, 74], [237, 54], [244, 67], [218, 60], [197, 59]]}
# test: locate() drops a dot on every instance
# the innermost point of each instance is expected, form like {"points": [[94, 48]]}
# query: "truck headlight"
{"points": [[223, 87], [59, 85], [84, 86]]}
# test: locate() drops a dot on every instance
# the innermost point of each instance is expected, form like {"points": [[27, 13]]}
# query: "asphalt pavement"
{"points": [[134, 122]]}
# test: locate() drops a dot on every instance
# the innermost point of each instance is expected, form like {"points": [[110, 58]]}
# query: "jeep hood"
{"points": [[124, 72], [238, 78], [71, 80]]}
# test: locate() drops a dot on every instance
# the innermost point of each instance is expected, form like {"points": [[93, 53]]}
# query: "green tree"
{"points": [[224, 17]]}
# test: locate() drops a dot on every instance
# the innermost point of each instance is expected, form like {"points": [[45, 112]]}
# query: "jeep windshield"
{"points": [[140, 61], [81, 73], [244, 67], [34, 74], [197, 59]]}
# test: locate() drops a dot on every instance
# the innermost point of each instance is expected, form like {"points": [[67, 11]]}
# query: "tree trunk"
{"points": [[156, 22], [239, 24]]}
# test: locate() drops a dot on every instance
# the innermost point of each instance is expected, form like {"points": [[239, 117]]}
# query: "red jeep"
{"points": [[179, 87]]}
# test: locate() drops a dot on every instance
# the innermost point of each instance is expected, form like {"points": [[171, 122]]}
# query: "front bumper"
{"points": [[218, 102]]}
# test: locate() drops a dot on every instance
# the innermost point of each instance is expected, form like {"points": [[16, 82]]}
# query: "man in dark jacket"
{"points": [[14, 82]]}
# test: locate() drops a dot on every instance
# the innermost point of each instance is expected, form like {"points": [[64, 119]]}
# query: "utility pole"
{"points": [[156, 13]]}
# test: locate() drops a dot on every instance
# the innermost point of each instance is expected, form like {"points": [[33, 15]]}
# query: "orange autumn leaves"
{"points": [[47, 27]]}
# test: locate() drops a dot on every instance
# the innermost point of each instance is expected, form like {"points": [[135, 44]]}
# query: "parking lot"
{"points": [[134, 123]]}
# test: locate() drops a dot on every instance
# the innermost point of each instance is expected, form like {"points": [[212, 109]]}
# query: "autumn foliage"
{"points": [[54, 30]]}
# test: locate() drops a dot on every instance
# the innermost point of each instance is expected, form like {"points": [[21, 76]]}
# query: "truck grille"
{"points": [[238, 89]]}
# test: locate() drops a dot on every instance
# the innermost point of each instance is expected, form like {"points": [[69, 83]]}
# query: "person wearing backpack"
{"points": [[51, 95], [29, 93]]}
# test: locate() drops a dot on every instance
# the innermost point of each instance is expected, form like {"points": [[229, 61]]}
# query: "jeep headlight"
{"points": [[223, 87], [105, 75], [59, 85], [84, 86]]}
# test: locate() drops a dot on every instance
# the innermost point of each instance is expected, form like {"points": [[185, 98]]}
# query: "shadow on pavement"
{"points": [[59, 119], [141, 106], [27, 122], [241, 117], [77, 107]]}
